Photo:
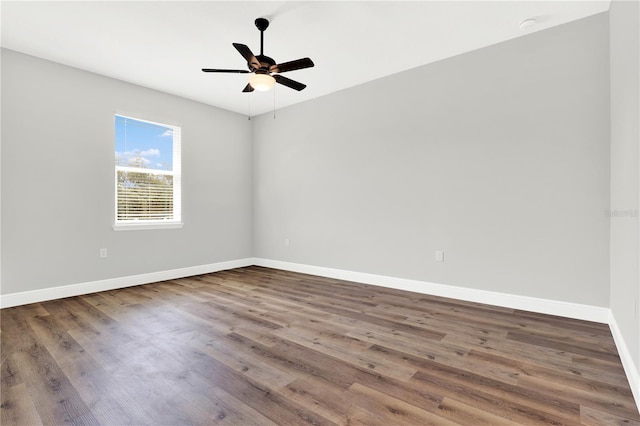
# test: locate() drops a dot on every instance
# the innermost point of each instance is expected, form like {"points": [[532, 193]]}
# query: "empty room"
{"points": [[330, 213]]}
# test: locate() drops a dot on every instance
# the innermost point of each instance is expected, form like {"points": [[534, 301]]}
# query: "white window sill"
{"points": [[146, 226]]}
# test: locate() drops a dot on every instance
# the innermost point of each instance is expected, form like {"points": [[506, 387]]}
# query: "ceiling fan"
{"points": [[265, 70]]}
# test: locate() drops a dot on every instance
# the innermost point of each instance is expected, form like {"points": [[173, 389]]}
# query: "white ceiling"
{"points": [[164, 44]]}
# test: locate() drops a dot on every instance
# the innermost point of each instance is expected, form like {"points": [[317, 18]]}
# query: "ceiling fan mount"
{"points": [[262, 24], [265, 68]]}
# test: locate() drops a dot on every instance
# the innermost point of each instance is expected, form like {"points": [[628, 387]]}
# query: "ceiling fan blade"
{"points": [[289, 83], [248, 55], [247, 88], [231, 71], [298, 64]]}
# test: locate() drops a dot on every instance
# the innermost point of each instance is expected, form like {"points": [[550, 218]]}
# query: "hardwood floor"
{"points": [[257, 346]]}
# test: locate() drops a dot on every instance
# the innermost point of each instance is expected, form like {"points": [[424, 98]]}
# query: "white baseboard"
{"points": [[630, 368], [34, 296], [544, 306]]}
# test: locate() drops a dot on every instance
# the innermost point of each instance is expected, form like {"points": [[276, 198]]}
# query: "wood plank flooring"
{"points": [[257, 346]]}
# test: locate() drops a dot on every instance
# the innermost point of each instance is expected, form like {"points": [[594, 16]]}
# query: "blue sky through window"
{"points": [[143, 144]]}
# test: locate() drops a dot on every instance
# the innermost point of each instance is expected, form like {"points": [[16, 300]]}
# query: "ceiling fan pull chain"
{"points": [[274, 103]]}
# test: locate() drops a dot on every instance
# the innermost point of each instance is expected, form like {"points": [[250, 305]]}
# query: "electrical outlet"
{"points": [[439, 255], [286, 242], [103, 253]]}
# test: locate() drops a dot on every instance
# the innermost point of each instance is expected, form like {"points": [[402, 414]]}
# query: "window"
{"points": [[147, 157]]}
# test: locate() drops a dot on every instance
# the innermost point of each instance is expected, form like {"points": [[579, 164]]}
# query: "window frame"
{"points": [[176, 173]]}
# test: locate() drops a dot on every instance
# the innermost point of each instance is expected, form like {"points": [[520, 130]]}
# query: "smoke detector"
{"points": [[527, 24]]}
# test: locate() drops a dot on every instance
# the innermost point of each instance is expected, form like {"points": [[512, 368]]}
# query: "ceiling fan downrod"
{"points": [[262, 24]]}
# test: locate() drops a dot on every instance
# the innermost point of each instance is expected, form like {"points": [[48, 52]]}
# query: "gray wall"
{"points": [[625, 165], [58, 179], [500, 157]]}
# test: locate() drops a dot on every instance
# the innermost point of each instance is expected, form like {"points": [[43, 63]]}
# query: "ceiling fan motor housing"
{"points": [[265, 61]]}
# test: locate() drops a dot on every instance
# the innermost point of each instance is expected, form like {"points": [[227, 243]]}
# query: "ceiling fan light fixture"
{"points": [[262, 82]]}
